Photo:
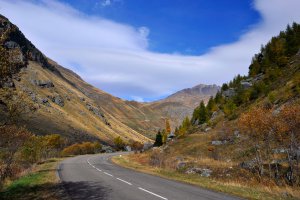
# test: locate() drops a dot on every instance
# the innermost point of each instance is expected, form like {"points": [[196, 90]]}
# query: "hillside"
{"points": [[61, 102], [182, 103], [245, 139]]}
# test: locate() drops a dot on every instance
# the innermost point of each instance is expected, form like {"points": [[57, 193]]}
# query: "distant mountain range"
{"points": [[67, 105]]}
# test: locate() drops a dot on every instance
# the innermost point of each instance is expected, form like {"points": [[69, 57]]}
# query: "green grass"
{"points": [[237, 189], [41, 183]]}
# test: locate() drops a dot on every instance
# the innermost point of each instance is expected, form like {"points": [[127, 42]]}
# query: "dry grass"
{"points": [[74, 120], [40, 182], [245, 190]]}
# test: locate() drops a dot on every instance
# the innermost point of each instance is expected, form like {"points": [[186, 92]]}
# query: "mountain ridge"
{"points": [[67, 105]]}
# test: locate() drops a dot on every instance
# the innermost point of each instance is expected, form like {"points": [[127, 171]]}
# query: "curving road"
{"points": [[92, 177]]}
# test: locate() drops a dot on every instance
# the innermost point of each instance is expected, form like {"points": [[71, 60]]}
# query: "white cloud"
{"points": [[106, 3], [114, 56]]}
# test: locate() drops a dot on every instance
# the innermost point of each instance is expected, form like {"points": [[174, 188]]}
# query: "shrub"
{"points": [[12, 141], [83, 148], [136, 146], [119, 143]]}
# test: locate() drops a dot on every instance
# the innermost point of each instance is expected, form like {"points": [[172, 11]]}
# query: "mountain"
{"points": [[61, 102], [182, 103]]}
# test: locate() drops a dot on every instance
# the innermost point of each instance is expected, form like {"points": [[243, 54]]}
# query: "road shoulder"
{"points": [[196, 180], [41, 182]]}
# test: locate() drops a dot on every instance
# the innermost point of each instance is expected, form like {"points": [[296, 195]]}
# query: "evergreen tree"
{"points": [[202, 113], [225, 87], [211, 106], [158, 139], [195, 115], [218, 97]]}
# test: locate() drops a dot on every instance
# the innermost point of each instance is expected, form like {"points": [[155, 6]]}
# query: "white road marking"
{"points": [[153, 193], [107, 174], [124, 181]]}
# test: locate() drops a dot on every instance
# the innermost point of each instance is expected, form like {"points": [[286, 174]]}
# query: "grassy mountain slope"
{"points": [[248, 138], [63, 103]]}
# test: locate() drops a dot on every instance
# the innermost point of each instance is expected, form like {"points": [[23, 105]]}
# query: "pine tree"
{"points": [[202, 113], [158, 139], [195, 115], [218, 97], [211, 106]]}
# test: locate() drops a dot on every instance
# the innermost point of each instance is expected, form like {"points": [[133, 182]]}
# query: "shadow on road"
{"points": [[85, 190], [61, 191]]}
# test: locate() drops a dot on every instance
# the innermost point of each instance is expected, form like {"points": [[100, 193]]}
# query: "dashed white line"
{"points": [[127, 182], [107, 174], [124, 181], [152, 193]]}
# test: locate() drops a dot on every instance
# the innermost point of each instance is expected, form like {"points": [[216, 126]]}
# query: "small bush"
{"points": [[83, 148]]}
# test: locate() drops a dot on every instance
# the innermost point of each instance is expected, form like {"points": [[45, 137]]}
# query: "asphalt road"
{"points": [[92, 177]]}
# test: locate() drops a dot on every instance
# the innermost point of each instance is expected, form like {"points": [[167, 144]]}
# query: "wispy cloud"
{"points": [[107, 3], [114, 56]]}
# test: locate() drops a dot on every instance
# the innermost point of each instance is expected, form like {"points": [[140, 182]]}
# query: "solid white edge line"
{"points": [[153, 193], [124, 181], [107, 174], [99, 170]]}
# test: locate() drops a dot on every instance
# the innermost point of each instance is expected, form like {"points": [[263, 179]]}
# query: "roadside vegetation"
{"points": [[40, 182], [246, 137]]}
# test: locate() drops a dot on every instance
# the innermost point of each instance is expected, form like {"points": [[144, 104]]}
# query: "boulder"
{"points": [[128, 148], [207, 129], [11, 45], [107, 149], [236, 134], [181, 165], [44, 101], [202, 171], [206, 172], [229, 93], [217, 114], [258, 77], [280, 151], [8, 83], [43, 84], [147, 146], [246, 84], [59, 101], [218, 142], [247, 164]]}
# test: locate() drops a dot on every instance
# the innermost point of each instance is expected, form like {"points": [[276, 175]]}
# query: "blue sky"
{"points": [[145, 50], [179, 26]]}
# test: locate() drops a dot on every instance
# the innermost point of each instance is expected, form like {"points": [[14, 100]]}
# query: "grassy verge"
{"points": [[237, 189], [41, 183]]}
